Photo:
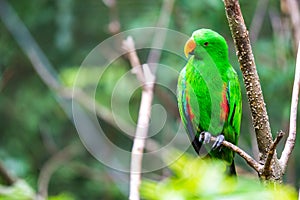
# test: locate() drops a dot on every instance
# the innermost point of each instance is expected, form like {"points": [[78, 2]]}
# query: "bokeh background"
{"points": [[38, 140]]}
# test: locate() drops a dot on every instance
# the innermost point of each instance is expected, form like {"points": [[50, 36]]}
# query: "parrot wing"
{"points": [[189, 109], [235, 106]]}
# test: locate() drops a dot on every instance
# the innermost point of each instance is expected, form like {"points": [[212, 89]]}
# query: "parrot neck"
{"points": [[209, 65]]}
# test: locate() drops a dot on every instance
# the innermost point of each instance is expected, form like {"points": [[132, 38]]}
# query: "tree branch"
{"points": [[51, 165], [147, 96], [251, 161], [252, 84], [47, 72], [272, 150], [20, 32], [290, 143], [291, 8], [141, 134], [129, 46], [251, 79]]}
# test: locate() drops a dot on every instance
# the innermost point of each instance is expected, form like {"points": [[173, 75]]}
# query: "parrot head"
{"points": [[206, 42]]}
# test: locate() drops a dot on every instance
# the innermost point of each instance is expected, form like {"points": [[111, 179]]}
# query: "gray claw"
{"points": [[218, 142], [204, 137]]}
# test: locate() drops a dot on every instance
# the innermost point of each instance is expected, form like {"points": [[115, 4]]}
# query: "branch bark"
{"points": [[147, 77], [290, 143], [270, 156], [135, 63], [251, 161], [141, 135], [251, 80]]}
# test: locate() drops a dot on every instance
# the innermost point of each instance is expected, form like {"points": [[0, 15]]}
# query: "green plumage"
{"points": [[209, 97]]}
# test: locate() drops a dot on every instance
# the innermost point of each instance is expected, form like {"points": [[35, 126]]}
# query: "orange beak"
{"points": [[189, 47]]}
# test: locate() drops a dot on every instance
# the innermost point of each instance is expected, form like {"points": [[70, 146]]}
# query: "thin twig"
{"points": [[134, 60], [146, 99], [290, 143], [251, 161], [272, 150], [141, 134], [51, 165]]}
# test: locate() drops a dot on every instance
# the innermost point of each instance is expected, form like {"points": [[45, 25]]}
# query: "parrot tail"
{"points": [[232, 171]]}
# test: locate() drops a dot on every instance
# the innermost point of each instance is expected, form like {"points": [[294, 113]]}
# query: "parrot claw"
{"points": [[218, 142], [204, 137]]}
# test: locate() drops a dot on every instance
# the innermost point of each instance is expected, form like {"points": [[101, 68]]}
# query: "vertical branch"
{"points": [[159, 36], [148, 80], [291, 8], [141, 134], [290, 143], [258, 19], [251, 79], [143, 120], [51, 165]]}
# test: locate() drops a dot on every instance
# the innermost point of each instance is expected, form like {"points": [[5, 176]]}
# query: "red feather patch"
{"points": [[189, 109], [224, 104]]}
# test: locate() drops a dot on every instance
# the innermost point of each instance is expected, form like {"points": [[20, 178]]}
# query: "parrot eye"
{"points": [[205, 44]]}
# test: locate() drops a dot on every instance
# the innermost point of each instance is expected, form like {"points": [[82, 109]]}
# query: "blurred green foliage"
{"points": [[33, 126], [196, 179]]}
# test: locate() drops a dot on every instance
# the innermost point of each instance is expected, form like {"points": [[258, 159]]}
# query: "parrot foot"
{"points": [[204, 137], [218, 142]]}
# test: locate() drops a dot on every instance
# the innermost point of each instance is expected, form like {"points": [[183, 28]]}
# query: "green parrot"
{"points": [[209, 95]]}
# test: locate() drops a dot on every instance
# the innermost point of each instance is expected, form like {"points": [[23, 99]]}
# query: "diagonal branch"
{"points": [[290, 143], [51, 166], [129, 46], [251, 161], [47, 72]]}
